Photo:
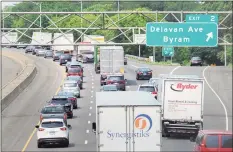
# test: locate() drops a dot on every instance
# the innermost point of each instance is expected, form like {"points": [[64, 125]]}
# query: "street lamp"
{"points": [[225, 49]]}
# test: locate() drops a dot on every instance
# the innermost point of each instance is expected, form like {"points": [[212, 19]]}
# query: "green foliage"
{"points": [[182, 55]]}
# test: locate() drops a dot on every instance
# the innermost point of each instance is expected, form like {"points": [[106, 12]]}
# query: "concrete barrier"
{"points": [[23, 79]]}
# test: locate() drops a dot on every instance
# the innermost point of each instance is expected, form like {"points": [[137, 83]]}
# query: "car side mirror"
{"points": [[69, 126], [192, 138], [94, 127], [125, 79], [37, 126]]}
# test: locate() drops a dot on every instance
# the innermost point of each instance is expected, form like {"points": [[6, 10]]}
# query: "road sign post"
{"points": [[182, 34], [202, 18]]}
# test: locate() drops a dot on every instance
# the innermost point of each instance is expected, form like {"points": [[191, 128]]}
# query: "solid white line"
{"points": [[134, 66], [87, 131], [86, 141], [91, 101], [89, 114], [90, 107], [224, 107], [92, 83], [92, 87], [91, 96], [89, 122], [91, 90], [174, 69]]}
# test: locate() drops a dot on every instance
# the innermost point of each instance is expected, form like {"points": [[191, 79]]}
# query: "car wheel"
{"points": [[137, 77], [60, 64], [53, 60], [67, 143], [39, 145], [76, 107], [72, 115], [79, 96]]}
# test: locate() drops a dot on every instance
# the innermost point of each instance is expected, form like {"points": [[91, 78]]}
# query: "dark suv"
{"points": [[196, 61], [64, 58], [118, 80], [64, 101]]}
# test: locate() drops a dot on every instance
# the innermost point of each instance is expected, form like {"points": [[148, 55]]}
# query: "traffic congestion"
{"points": [[116, 76]]}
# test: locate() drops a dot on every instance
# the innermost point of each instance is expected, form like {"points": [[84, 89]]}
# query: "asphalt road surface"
{"points": [[22, 115], [10, 68]]}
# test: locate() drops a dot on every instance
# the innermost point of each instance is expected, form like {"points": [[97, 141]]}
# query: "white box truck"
{"points": [[182, 98], [127, 121], [65, 39]]}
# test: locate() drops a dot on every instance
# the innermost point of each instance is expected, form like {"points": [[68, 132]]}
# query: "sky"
{"points": [[4, 4]]}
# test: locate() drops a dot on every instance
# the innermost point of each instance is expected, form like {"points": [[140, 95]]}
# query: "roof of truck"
{"points": [[110, 47], [125, 98]]}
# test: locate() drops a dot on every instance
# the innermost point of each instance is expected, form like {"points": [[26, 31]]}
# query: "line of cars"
{"points": [[54, 127]]}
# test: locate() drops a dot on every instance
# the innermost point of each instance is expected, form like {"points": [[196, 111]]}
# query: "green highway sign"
{"points": [[168, 51], [202, 18], [182, 34]]}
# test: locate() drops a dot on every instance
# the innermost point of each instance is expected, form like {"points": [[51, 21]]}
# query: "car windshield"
{"points": [[115, 78], [110, 88], [55, 109], [144, 69], [70, 85], [65, 56], [74, 70], [60, 102], [49, 52], [68, 94], [52, 124], [196, 58], [147, 88], [76, 78]]}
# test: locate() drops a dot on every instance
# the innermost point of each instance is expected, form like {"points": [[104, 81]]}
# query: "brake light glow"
{"points": [[154, 92], [149, 72], [65, 116], [109, 82], [139, 72], [63, 129], [41, 117], [41, 129], [122, 82]]}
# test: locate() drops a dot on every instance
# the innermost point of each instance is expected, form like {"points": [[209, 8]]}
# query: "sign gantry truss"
{"points": [[104, 21]]}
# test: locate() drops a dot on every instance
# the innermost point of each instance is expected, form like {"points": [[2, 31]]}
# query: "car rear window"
{"points": [[61, 102], [115, 78], [65, 56], [196, 58], [147, 88], [75, 70], [55, 109], [73, 78], [144, 69], [52, 124], [212, 141], [70, 85], [226, 141], [110, 88]]}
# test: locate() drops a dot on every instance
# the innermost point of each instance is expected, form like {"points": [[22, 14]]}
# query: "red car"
{"points": [[213, 141], [75, 71]]}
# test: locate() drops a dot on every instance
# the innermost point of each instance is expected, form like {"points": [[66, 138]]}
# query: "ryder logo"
{"points": [[179, 87]]}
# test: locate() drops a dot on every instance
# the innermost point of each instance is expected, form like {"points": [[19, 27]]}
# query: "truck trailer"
{"points": [[127, 121], [182, 98]]}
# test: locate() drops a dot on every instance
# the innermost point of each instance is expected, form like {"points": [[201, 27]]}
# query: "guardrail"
{"points": [[137, 58]]}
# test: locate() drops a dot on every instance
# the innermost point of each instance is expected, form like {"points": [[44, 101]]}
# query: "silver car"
{"points": [[71, 86], [40, 52]]}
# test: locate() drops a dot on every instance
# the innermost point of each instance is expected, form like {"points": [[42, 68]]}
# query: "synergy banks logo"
{"points": [[142, 126]]}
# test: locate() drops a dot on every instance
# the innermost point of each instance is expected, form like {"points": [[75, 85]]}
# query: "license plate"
{"points": [[66, 60], [52, 132], [144, 73]]}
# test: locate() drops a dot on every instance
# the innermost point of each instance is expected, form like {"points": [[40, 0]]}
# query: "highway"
{"points": [[10, 68], [22, 115]]}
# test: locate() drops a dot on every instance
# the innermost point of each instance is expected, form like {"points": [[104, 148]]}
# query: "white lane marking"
{"points": [[89, 114], [91, 101], [91, 96], [92, 87], [90, 107], [175, 69], [92, 79], [92, 76], [87, 131], [91, 91], [89, 122], [92, 83], [224, 107], [134, 66], [86, 141]]}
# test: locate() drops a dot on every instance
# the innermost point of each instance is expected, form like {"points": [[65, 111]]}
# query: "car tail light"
{"points": [[65, 116], [41, 129], [80, 73], [41, 117], [109, 82], [140, 73], [154, 92], [63, 129], [122, 82], [149, 72]]}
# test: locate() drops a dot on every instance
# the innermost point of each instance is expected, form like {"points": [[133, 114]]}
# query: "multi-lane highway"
{"points": [[22, 115], [10, 69]]}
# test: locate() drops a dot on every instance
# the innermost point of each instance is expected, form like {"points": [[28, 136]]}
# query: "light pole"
{"points": [[225, 49]]}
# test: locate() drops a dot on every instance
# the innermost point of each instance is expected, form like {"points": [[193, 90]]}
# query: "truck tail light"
{"points": [[63, 129], [41, 129]]}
